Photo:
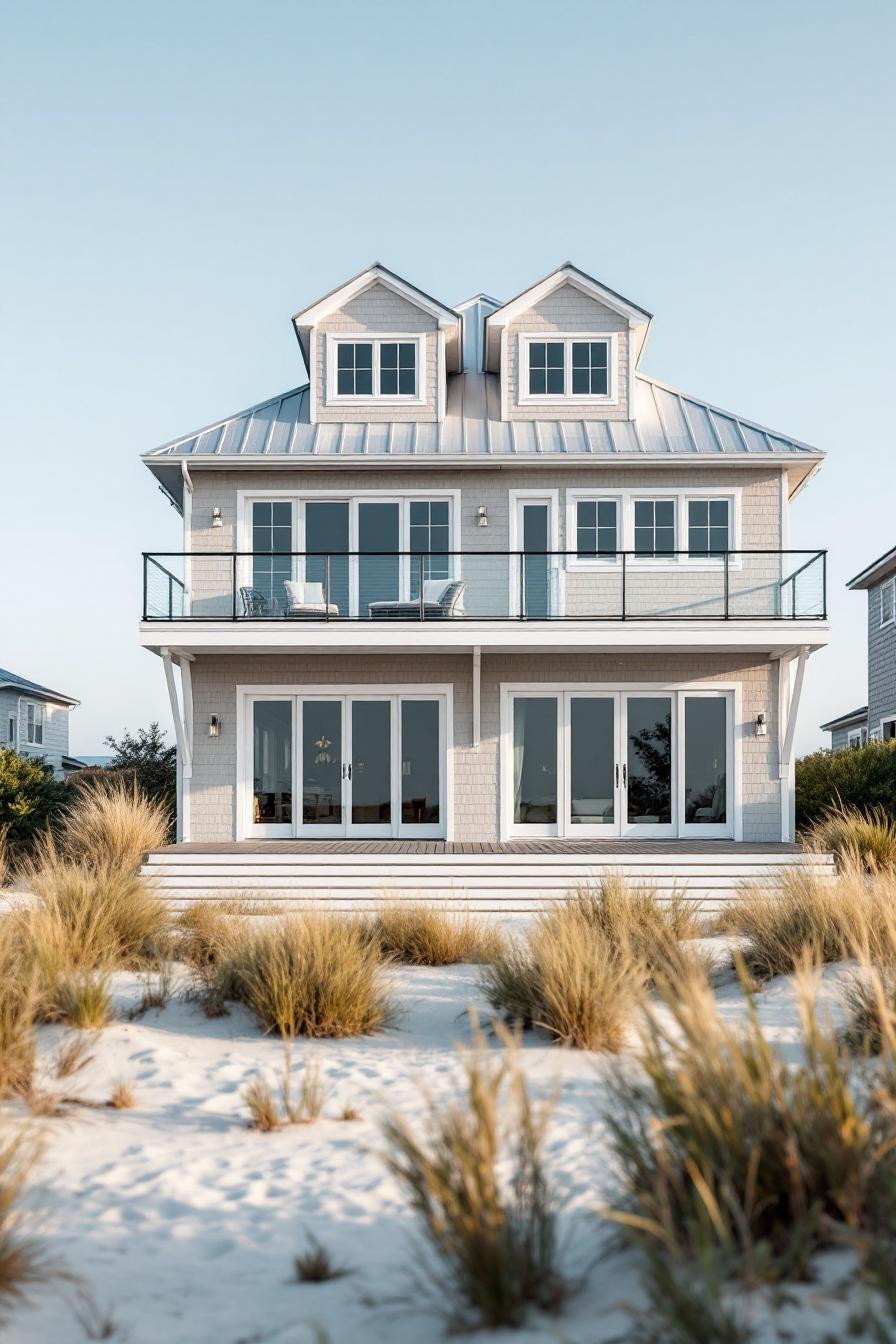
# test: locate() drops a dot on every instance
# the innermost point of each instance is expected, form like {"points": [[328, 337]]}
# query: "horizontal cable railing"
{"points": [[399, 586]]}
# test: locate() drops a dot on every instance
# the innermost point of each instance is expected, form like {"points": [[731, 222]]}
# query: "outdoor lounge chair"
{"points": [[254, 602], [442, 600], [305, 601]]}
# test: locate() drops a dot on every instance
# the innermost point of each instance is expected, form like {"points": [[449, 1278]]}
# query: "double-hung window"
{"points": [[34, 724], [597, 523], [707, 527], [654, 527], [567, 367], [378, 367], [888, 602]]}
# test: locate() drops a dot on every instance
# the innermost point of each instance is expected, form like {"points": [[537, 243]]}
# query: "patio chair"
{"points": [[305, 601], [443, 599], [254, 602]]}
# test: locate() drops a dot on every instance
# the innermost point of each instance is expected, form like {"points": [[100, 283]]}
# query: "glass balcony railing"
{"points": [[400, 586]]}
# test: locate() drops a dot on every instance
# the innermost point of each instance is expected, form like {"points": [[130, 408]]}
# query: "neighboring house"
{"points": [[877, 721], [34, 721], [480, 591]]}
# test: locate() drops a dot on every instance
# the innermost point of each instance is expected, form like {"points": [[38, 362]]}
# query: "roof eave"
{"points": [[873, 573], [845, 720]]}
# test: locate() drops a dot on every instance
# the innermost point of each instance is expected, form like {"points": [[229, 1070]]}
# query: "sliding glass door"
{"points": [[604, 764], [362, 765]]}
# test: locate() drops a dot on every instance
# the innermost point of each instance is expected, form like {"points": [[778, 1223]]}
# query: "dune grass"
{"points": [[727, 1152], [21, 1264], [79, 999], [308, 974], [580, 969], [492, 1243], [316, 1265], [19, 1004], [828, 919], [267, 1113], [113, 828], [423, 935], [858, 838]]}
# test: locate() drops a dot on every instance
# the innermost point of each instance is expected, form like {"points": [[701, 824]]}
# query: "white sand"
{"points": [[181, 1224]]}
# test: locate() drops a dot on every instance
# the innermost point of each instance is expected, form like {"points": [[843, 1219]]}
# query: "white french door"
{"points": [[607, 763], [361, 765]]}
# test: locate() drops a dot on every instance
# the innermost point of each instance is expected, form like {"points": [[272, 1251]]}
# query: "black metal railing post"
{"points": [[145, 596], [623, 586], [420, 596], [824, 585], [326, 586], [727, 556], [170, 598], [522, 585], [233, 587]]}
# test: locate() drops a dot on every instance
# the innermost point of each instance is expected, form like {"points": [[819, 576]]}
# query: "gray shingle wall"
{"points": [[567, 310], [476, 798], [55, 743], [378, 310], [881, 662]]}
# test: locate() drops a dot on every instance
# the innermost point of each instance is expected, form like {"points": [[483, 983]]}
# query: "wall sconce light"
{"points": [[217, 520], [761, 726], [482, 516], [214, 726]]}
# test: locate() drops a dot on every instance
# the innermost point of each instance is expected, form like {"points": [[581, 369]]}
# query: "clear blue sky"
{"points": [[178, 178]]}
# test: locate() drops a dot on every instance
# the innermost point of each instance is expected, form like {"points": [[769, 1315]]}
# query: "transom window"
{"points": [[596, 528], [888, 601], [34, 725], [654, 527], [567, 367], [707, 526], [376, 368]]}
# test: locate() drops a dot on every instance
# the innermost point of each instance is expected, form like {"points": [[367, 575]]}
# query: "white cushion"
{"points": [[304, 594], [433, 589], [314, 592]]}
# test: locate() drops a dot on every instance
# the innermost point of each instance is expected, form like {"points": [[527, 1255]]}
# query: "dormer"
{"points": [[378, 349], [566, 348]]}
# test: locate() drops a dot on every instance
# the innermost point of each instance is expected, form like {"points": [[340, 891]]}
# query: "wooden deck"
{"points": [[512, 877]]}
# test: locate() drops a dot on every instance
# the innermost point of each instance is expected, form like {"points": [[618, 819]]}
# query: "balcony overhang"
{"points": [[772, 638]]}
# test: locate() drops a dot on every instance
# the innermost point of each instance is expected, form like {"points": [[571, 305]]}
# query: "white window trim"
{"points": [[736, 731], [412, 690], [404, 499], [376, 339], [527, 338], [625, 526], [34, 720], [856, 737], [891, 585], [889, 719]]}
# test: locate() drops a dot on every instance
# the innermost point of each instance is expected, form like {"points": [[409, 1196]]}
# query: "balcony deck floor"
{"points": [[545, 846]]}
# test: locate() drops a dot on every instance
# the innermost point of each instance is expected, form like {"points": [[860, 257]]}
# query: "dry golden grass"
{"points": [[827, 919], [423, 935], [728, 1153], [316, 1265], [581, 968], [493, 1243], [309, 974], [113, 828], [21, 1265], [121, 1098], [79, 999], [269, 1114], [5, 873], [857, 838], [19, 1003], [262, 1106], [73, 1055]]}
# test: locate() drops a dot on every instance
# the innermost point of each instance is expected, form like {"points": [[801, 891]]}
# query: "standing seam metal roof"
{"points": [[667, 422]]}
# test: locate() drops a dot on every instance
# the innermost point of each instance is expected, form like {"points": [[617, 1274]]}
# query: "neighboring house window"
{"points": [[707, 526], [376, 368], [596, 528], [34, 725], [654, 526], [12, 731], [857, 737], [888, 729], [567, 367], [888, 601]]}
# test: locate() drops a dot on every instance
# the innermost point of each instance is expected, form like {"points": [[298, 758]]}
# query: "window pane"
{"points": [[388, 382], [643, 513], [322, 762], [420, 762], [555, 354], [535, 760], [649, 759], [698, 512], [345, 356], [587, 513], [705, 768], [555, 382], [364, 383], [599, 383], [665, 513], [389, 356], [345, 382], [581, 382], [371, 762], [272, 762], [537, 382], [407, 382], [643, 540], [326, 533], [718, 512], [592, 762]]}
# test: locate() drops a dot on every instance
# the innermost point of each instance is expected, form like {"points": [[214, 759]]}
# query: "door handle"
{"points": [[617, 774], [623, 777], [346, 771]]}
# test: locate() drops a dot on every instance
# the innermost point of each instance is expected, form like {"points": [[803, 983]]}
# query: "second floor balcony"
{"points": [[484, 586]]}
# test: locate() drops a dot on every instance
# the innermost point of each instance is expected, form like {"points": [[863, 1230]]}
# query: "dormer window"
{"points": [[377, 368], [568, 367]]}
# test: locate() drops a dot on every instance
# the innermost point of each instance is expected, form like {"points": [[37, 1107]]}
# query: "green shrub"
{"points": [[31, 798], [863, 778]]}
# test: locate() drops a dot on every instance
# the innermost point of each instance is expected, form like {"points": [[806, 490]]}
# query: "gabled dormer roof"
{"points": [[637, 317], [378, 274]]}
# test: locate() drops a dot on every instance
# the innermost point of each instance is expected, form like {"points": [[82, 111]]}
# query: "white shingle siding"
{"points": [[566, 310], [476, 791], [378, 310]]}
